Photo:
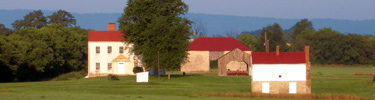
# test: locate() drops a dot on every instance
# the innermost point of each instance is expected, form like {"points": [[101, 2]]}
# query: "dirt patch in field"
{"points": [[353, 78], [363, 74], [5, 90], [73, 79]]}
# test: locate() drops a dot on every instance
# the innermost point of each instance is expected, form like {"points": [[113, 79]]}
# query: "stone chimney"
{"points": [[307, 54], [277, 50], [111, 27], [308, 69]]}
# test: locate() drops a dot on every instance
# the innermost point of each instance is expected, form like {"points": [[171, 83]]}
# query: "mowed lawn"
{"points": [[326, 80]]}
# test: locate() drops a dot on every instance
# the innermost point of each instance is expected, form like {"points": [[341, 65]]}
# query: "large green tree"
{"points": [[275, 36], [34, 19], [5, 31], [330, 47], [354, 50], [303, 39], [326, 46], [34, 54], [156, 26], [248, 40], [299, 27], [62, 17], [36, 51], [11, 56]]}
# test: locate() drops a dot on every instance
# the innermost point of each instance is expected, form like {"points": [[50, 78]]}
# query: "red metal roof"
{"points": [[105, 36], [216, 44], [282, 58]]}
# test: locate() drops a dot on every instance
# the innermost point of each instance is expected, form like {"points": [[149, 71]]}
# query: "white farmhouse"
{"points": [[107, 54], [286, 72]]}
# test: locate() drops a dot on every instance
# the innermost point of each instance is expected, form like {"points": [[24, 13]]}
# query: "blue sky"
{"points": [[285, 9]]}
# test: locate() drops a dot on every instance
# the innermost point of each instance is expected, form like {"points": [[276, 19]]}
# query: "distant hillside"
{"points": [[215, 24], [97, 21]]}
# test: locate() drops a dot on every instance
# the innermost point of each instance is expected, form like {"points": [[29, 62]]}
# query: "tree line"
{"points": [[40, 49], [326, 45]]}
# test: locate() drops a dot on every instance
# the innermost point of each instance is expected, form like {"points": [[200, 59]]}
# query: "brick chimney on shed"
{"points": [[277, 50], [111, 27]]}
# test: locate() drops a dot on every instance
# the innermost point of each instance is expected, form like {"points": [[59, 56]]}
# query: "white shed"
{"points": [[285, 72]]}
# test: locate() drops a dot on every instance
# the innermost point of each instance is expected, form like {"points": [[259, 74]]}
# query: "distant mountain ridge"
{"points": [[215, 24]]}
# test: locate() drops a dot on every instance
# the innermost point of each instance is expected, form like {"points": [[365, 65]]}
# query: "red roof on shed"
{"points": [[105, 36], [216, 44], [282, 58]]}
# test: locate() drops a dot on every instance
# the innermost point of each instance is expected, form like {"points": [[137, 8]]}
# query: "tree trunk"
{"points": [[169, 74]]}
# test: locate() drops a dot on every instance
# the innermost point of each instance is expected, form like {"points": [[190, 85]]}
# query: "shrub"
{"points": [[137, 69], [74, 75]]}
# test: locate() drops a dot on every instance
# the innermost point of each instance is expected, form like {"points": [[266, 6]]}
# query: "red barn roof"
{"points": [[282, 58], [216, 44], [105, 36]]}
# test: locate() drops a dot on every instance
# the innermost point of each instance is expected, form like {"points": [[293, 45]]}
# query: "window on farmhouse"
{"points": [[109, 49], [109, 66], [97, 66], [97, 49], [121, 49]]}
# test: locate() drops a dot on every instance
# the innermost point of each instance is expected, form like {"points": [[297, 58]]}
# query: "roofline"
{"points": [[230, 52], [280, 64], [105, 41], [103, 31], [249, 49], [281, 52], [217, 50]]}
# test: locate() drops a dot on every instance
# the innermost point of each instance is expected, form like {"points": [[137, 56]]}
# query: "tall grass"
{"points": [[74, 75]]}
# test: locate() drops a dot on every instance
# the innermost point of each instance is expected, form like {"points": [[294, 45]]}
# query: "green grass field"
{"points": [[326, 80]]}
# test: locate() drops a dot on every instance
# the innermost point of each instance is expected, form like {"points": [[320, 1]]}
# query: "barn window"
{"points": [[97, 66], [109, 66], [109, 49], [121, 49], [97, 49]]}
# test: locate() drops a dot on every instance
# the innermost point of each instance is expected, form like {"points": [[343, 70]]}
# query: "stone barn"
{"points": [[204, 49], [284, 72], [235, 62]]}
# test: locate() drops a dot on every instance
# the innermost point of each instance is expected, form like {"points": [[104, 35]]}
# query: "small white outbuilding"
{"points": [[281, 72]]}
